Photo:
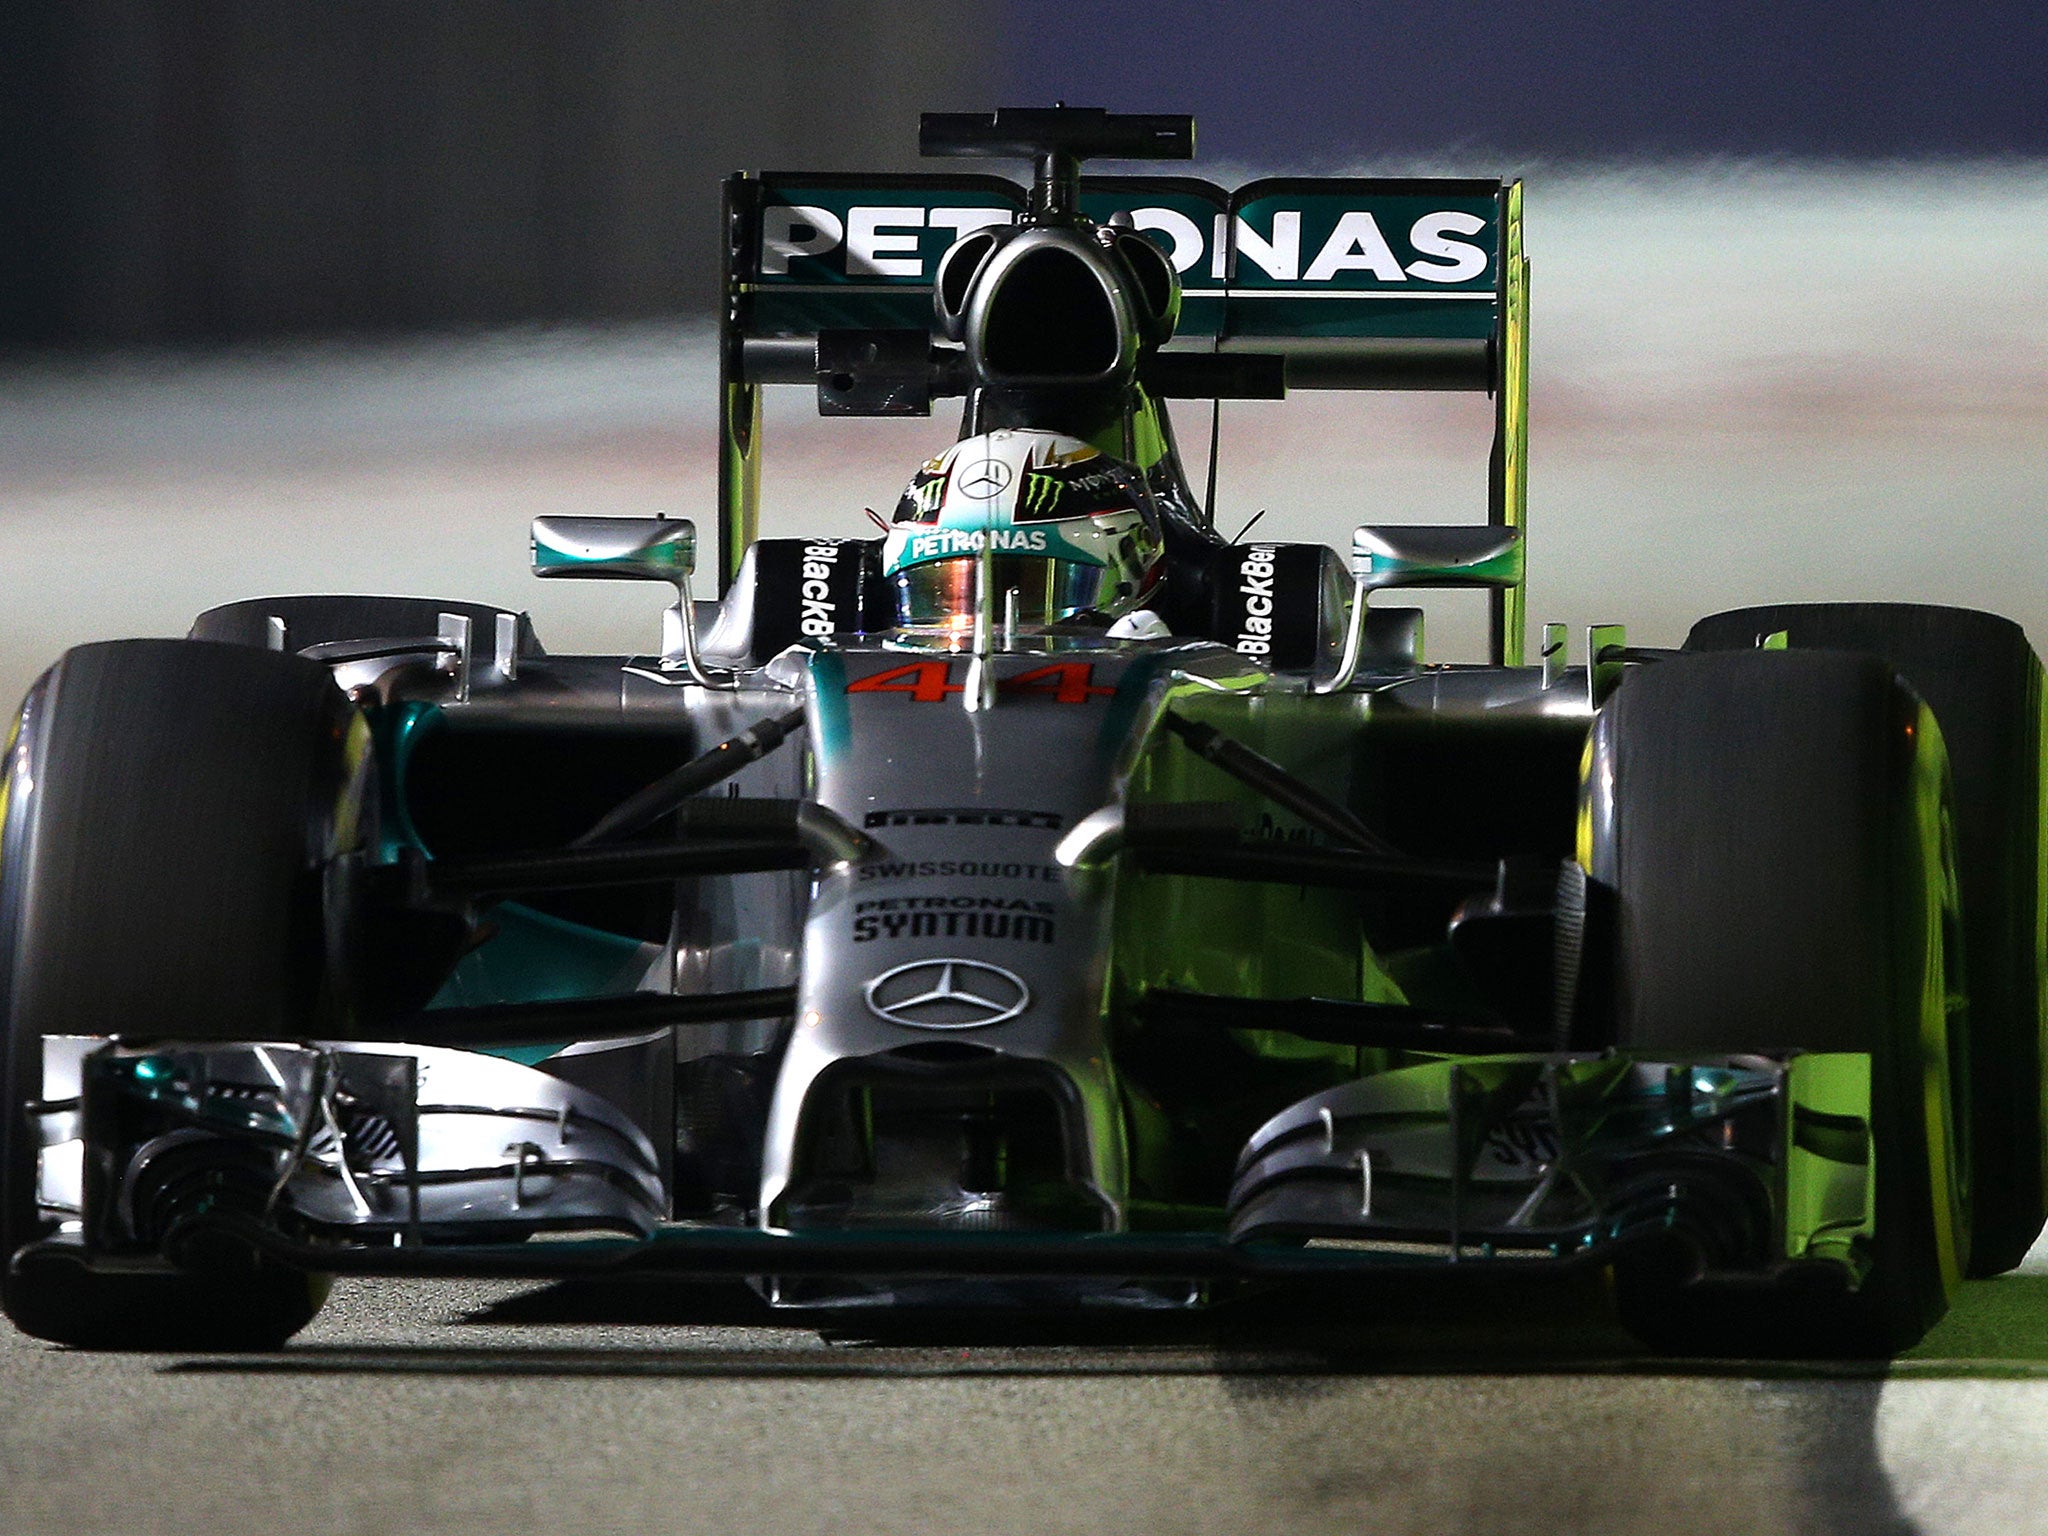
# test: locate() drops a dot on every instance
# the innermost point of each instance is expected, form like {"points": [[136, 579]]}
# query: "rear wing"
{"points": [[1304, 283]]}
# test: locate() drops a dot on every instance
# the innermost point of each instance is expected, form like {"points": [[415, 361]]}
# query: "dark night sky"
{"points": [[1321, 82], [220, 170]]}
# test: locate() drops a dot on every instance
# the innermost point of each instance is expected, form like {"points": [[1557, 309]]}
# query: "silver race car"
{"points": [[1048, 903]]}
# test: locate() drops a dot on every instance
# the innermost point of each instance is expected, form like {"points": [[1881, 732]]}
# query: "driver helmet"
{"points": [[1070, 530]]}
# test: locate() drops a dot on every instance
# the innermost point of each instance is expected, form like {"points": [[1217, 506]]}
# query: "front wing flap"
{"points": [[1754, 1161], [422, 1160]]}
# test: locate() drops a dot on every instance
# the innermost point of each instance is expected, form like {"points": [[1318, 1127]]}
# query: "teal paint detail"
{"points": [[525, 1055], [1309, 315], [872, 227], [857, 309], [1364, 260], [398, 730], [662, 559], [177, 1080], [962, 531], [532, 957], [831, 720], [1119, 735], [1382, 570], [808, 276], [535, 958]]}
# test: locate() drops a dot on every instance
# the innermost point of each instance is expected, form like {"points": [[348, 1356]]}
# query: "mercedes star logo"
{"points": [[989, 477], [948, 994]]}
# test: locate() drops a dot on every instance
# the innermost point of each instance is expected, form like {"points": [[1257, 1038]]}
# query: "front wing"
{"points": [[413, 1160]]}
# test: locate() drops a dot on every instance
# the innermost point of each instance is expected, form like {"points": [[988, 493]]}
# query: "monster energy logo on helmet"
{"points": [[1041, 494]]}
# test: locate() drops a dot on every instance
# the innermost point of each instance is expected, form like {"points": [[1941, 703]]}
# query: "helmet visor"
{"points": [[941, 592]]}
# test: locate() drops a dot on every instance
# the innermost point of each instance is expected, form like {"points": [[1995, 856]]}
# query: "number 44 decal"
{"points": [[928, 682]]}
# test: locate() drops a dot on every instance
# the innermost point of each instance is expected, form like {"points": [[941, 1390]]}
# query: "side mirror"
{"points": [[631, 549], [1387, 555], [618, 548], [1426, 555]]}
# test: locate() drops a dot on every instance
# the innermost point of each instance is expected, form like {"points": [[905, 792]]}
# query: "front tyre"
{"points": [[172, 811], [1980, 676], [1775, 828]]}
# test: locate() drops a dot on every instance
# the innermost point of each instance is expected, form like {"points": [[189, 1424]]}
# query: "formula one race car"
{"points": [[1048, 904]]}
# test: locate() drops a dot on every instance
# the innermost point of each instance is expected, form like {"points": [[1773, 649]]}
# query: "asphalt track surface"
{"points": [[1749, 385], [502, 1408]]}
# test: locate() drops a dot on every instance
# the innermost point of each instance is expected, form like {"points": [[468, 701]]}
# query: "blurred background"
{"points": [[297, 295]]}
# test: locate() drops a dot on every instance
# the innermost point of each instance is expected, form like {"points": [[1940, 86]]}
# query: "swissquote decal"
{"points": [[988, 869]]}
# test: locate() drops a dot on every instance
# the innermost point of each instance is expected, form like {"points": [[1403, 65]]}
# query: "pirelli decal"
{"points": [[966, 816]]}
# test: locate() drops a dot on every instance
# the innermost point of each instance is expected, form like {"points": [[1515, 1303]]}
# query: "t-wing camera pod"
{"points": [[1056, 140], [1055, 316]]}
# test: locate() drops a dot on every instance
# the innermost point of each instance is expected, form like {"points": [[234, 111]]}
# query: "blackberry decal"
{"points": [[1255, 586], [820, 612]]}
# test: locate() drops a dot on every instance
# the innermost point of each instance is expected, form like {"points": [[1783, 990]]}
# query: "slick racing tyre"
{"points": [[171, 810], [1984, 683], [1775, 829]]}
